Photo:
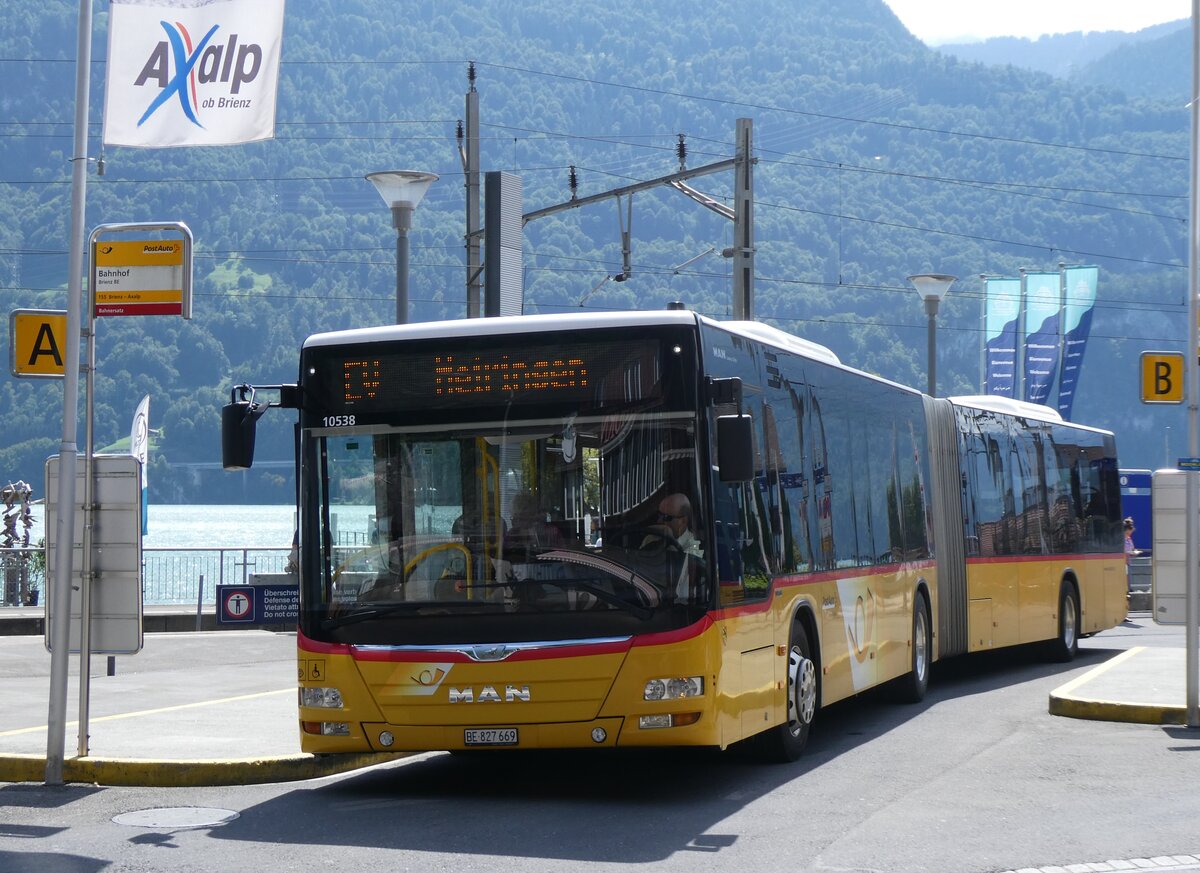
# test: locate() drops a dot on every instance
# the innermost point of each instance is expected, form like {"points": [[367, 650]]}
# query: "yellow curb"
{"points": [[1062, 703], [190, 774], [1129, 713]]}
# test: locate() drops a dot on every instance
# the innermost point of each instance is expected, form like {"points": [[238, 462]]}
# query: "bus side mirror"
{"points": [[735, 448], [239, 421]]}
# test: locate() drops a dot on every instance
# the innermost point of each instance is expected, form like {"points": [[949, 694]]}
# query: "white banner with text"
{"points": [[192, 72]]}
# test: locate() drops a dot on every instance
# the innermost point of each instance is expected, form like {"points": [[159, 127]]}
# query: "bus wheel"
{"points": [[911, 687], [1066, 645], [785, 742]]}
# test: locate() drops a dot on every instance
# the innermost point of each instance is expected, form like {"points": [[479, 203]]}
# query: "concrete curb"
{"points": [[1067, 701], [190, 774], [1107, 710]]}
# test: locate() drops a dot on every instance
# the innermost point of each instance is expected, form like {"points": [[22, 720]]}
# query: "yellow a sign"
{"points": [[38, 338], [1162, 377]]}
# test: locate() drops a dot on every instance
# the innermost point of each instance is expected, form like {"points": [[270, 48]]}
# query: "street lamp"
{"points": [[402, 191], [932, 287]]}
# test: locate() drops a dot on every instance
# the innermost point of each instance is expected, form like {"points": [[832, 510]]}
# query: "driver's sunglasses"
{"points": [[662, 516]]}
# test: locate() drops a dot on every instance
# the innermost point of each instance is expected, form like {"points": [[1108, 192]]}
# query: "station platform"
{"points": [[193, 708]]}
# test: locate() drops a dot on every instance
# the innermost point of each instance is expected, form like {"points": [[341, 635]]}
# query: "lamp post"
{"points": [[932, 287], [402, 191]]}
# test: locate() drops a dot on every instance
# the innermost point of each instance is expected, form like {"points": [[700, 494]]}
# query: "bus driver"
{"points": [[675, 518]]}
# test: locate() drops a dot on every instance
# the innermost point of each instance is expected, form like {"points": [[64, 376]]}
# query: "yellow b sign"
{"points": [[39, 341], [1162, 377]]}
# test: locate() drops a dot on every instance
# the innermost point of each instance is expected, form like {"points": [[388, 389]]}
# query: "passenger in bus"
{"points": [[532, 526]]}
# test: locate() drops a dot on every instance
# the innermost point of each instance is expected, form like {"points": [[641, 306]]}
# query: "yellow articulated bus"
{"points": [[653, 529]]}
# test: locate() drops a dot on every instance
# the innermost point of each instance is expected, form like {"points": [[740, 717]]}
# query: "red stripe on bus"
{"points": [[676, 636], [1025, 559], [307, 644], [797, 580]]}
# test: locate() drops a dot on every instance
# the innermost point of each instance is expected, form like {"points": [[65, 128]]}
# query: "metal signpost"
{"points": [[129, 277], [1193, 393]]}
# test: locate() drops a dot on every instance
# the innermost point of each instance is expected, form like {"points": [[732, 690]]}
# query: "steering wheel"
{"points": [[442, 547], [662, 533]]}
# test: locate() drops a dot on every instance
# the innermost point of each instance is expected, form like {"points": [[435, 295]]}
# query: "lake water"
{"points": [[208, 526]]}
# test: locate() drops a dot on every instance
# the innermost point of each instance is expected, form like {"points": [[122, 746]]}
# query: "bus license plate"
{"points": [[490, 737]]}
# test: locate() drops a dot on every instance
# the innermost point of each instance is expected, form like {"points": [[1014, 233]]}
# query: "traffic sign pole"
{"points": [[56, 721], [1193, 394]]}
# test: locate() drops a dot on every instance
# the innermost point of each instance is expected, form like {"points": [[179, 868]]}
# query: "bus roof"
{"points": [[1009, 406], [503, 324], [783, 339], [519, 324], [1022, 408]]}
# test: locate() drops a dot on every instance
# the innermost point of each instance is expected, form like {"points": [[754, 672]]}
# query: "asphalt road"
{"points": [[979, 777]]}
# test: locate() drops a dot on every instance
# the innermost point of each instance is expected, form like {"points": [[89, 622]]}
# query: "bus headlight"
{"points": [[322, 698], [673, 689], [675, 719], [326, 728]]}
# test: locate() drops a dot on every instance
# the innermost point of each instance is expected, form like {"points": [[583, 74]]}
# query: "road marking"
{"points": [[1064, 690], [157, 711]]}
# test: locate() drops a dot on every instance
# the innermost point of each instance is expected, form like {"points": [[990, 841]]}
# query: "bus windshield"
{"points": [[571, 528]]}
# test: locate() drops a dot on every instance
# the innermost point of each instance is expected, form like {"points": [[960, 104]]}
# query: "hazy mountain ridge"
{"points": [[1152, 62]]}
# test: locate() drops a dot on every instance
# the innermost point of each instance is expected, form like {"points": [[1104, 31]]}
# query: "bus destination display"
{"points": [[475, 374], [586, 373]]}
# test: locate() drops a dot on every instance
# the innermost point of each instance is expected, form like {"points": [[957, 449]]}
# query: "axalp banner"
{"points": [[1080, 283], [192, 72], [1002, 302], [1043, 305]]}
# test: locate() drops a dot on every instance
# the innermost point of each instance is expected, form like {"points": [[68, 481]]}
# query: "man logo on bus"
{"points": [[203, 64]]}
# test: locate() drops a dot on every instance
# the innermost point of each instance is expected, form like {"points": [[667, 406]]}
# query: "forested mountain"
{"points": [[877, 158], [1159, 68]]}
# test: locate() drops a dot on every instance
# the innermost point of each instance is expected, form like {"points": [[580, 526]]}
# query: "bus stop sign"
{"points": [[1162, 377], [38, 338]]}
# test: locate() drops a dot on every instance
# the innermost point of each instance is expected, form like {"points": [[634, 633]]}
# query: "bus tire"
{"points": [[911, 687], [785, 742], [1066, 645]]}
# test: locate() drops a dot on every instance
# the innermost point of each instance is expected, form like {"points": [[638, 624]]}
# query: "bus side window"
{"points": [[743, 538]]}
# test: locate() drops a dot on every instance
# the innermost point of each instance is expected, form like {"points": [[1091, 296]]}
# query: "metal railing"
{"points": [[21, 576], [173, 575], [169, 576]]}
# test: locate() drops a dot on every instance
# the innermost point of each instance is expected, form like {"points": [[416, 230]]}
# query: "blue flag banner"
{"points": [[1080, 283], [1043, 307], [1002, 306]]}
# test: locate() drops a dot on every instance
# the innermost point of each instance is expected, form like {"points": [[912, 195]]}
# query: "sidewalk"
{"points": [[207, 708], [1142, 685]]}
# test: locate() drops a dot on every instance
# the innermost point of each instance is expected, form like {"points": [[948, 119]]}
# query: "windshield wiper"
{"points": [[642, 612]]}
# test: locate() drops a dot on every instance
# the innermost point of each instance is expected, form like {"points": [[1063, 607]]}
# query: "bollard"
{"points": [[112, 666], [200, 602]]}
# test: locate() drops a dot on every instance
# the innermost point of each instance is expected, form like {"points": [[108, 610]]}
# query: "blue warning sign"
{"points": [[258, 604]]}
